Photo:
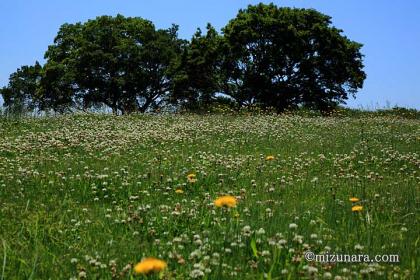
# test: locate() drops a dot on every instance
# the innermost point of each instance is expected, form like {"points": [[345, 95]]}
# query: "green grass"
{"points": [[93, 195]]}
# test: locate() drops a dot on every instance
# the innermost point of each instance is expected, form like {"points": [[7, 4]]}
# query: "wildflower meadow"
{"points": [[221, 196]]}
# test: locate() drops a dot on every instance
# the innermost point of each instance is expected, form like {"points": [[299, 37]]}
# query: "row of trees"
{"points": [[266, 56]]}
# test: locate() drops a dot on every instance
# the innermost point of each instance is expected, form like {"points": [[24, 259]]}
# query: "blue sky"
{"points": [[389, 30]]}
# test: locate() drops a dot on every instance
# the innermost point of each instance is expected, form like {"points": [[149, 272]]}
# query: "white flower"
{"points": [[261, 231], [345, 270], [265, 253], [196, 273], [246, 231], [293, 226], [327, 275], [282, 241], [358, 247], [312, 270]]}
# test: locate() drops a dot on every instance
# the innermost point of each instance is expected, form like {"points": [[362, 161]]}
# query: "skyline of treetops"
{"points": [[266, 57]]}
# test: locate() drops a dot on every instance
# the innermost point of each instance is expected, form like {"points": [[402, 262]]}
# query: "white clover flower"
{"points": [[196, 273], [246, 231], [282, 241], [327, 275], [364, 271], [177, 240], [265, 253], [261, 231], [293, 226], [198, 266], [358, 247], [312, 270]]}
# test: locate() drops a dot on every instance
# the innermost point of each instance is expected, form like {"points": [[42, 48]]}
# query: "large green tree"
{"points": [[268, 56], [21, 93], [286, 57], [197, 76], [123, 63], [57, 88]]}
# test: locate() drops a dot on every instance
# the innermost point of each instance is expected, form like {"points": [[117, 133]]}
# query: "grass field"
{"points": [[90, 196]]}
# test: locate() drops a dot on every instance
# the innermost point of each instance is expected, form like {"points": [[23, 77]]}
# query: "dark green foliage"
{"points": [[57, 88], [285, 57], [20, 95], [267, 57], [197, 79], [123, 63]]}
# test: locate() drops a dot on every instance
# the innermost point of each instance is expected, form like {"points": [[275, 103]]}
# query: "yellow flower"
{"points": [[179, 191], [228, 201], [269, 158], [149, 265], [192, 178], [354, 199], [357, 208]]}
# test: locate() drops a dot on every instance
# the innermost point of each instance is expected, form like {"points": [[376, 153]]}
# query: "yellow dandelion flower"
{"points": [[357, 208], [179, 191], [269, 158], [192, 178], [227, 200], [150, 265], [354, 199]]}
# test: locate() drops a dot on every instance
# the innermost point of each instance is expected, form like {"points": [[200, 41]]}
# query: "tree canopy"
{"points": [[284, 57], [266, 56], [197, 80], [123, 63], [21, 93]]}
